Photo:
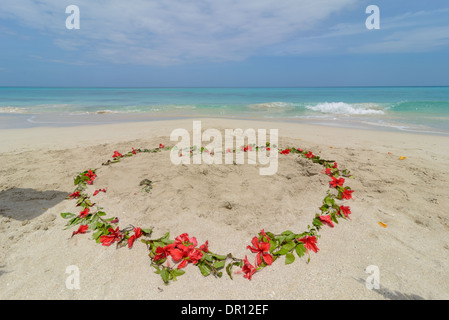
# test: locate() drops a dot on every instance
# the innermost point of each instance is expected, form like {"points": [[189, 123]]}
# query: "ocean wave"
{"points": [[13, 110], [347, 109], [107, 111], [186, 107], [272, 106]]}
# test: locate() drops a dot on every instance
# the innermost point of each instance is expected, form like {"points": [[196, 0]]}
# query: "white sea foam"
{"points": [[186, 107], [13, 110], [272, 106], [105, 111], [347, 109]]}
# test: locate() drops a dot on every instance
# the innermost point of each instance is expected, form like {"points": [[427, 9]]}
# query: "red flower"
{"points": [[300, 150], [286, 151], [228, 150], [75, 194], [248, 269], [137, 234], [261, 248], [327, 220], [188, 254], [84, 213], [184, 239], [309, 243], [310, 155], [109, 239], [115, 220], [194, 255], [162, 252], [262, 232], [191, 255], [183, 250], [335, 165], [336, 182], [91, 175], [182, 264], [205, 247], [82, 229], [328, 171], [116, 154], [134, 151], [161, 146], [347, 194], [345, 210], [179, 252], [268, 149], [98, 191], [247, 148]]}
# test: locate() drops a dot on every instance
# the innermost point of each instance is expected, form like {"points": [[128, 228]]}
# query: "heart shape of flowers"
{"points": [[184, 250]]}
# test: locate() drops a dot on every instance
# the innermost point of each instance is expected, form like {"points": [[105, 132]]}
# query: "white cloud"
{"points": [[421, 31], [173, 31], [414, 40]]}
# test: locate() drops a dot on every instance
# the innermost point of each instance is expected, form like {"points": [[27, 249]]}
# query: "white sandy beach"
{"points": [[410, 196]]}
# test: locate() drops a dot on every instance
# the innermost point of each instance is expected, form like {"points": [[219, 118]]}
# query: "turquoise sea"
{"points": [[413, 109]]}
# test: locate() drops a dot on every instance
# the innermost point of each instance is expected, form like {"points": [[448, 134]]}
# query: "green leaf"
{"points": [[204, 269], [270, 235], [219, 264], [300, 249], [317, 222], [93, 223], [75, 220], [229, 267], [157, 244], [165, 238], [273, 245], [289, 246], [229, 270], [329, 201], [176, 273], [334, 218], [207, 257], [290, 237], [281, 239], [147, 231], [289, 258], [219, 257], [67, 215], [97, 235], [158, 271], [286, 248], [165, 275]]}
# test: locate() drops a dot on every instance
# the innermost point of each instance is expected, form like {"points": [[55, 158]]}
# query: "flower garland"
{"points": [[184, 250]]}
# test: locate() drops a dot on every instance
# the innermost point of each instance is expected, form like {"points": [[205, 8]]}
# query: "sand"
{"points": [[226, 205]]}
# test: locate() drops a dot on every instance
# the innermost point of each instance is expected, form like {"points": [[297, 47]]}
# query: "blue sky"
{"points": [[232, 43]]}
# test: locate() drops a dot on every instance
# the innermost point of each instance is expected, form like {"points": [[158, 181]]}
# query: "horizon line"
{"points": [[227, 87]]}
